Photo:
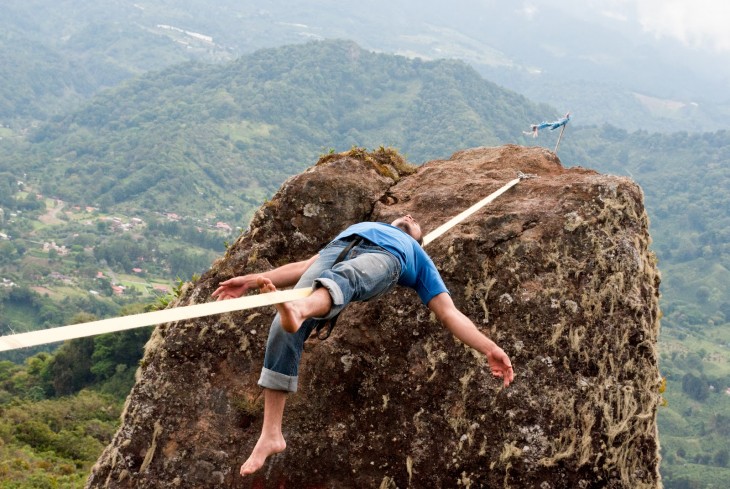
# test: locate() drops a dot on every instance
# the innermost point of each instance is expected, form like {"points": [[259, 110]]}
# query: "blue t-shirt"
{"points": [[417, 270]]}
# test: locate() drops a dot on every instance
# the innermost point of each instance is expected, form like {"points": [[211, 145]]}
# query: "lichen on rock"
{"points": [[557, 271]]}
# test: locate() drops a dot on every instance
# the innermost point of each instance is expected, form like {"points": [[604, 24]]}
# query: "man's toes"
{"points": [[265, 285]]}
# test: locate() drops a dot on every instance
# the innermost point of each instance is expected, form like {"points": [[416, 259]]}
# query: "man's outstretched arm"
{"points": [[465, 330], [283, 276]]}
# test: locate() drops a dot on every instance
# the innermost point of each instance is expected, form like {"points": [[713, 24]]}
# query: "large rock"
{"points": [[557, 271]]}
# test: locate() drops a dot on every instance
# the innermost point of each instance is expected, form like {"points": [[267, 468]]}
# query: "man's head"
{"points": [[409, 226]]}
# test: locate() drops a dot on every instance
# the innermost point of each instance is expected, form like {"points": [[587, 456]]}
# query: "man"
{"points": [[388, 254]]}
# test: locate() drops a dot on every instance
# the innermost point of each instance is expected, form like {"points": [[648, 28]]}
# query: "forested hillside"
{"points": [[199, 138]]}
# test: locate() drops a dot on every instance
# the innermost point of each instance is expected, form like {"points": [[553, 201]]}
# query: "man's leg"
{"points": [[286, 352], [271, 440], [283, 349]]}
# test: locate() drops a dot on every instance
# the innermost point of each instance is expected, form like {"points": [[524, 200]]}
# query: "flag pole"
{"points": [[557, 145], [562, 130]]}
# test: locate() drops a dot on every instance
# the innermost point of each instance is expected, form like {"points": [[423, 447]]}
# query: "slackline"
{"points": [[123, 323], [471, 210]]}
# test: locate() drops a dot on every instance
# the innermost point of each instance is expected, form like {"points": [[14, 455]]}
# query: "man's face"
{"points": [[410, 226]]}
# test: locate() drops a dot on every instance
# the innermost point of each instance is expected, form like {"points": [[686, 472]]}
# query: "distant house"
{"points": [[223, 225], [137, 270], [118, 289], [61, 250]]}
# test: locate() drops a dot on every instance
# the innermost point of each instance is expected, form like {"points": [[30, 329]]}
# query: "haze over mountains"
{"points": [[580, 56]]}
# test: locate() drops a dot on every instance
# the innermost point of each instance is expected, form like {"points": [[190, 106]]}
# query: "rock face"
{"points": [[557, 271]]}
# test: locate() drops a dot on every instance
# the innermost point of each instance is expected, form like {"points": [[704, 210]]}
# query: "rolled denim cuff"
{"points": [[338, 298], [278, 382]]}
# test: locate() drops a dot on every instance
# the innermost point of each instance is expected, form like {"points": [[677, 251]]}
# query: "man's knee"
{"points": [[335, 286]]}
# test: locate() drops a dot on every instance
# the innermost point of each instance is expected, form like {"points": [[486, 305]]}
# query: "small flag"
{"points": [[551, 125]]}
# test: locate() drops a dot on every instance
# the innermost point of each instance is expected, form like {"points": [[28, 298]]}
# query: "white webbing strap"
{"points": [[112, 325], [471, 210], [123, 323]]}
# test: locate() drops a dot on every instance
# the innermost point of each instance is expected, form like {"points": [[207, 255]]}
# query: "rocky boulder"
{"points": [[557, 271]]}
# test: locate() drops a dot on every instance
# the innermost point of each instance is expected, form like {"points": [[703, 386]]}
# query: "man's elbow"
{"points": [[441, 304]]}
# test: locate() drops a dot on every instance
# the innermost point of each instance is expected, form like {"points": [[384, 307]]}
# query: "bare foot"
{"points": [[289, 314], [264, 447]]}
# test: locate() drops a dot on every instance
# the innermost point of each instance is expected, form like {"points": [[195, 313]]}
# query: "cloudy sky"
{"points": [[703, 24]]}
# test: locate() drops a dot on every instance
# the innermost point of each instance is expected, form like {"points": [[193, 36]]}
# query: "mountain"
{"points": [[200, 138]]}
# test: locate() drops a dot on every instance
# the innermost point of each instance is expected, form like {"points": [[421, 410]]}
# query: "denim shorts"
{"points": [[366, 272]]}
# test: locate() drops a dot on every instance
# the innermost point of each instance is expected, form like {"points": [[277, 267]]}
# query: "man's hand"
{"points": [[235, 287], [283, 276], [500, 365]]}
